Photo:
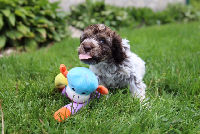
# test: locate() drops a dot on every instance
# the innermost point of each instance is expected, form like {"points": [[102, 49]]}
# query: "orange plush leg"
{"points": [[102, 90], [62, 114]]}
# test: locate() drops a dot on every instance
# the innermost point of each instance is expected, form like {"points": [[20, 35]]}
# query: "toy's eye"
{"points": [[83, 92], [73, 89]]}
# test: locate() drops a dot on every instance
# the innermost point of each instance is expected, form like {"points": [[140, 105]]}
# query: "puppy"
{"points": [[111, 59]]}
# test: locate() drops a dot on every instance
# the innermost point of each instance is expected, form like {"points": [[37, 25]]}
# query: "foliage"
{"points": [[195, 4], [30, 23], [98, 12], [171, 53], [142, 15], [173, 13], [92, 12], [180, 13]]}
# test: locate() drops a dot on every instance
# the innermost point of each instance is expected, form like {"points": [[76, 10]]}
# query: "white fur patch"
{"points": [[130, 72], [93, 41], [101, 27]]}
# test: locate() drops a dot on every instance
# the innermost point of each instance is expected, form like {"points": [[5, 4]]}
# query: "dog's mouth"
{"points": [[84, 56], [87, 59]]}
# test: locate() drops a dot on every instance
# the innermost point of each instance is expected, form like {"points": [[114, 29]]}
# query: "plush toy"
{"points": [[79, 85]]}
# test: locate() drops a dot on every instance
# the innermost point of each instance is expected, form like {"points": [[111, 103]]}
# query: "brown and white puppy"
{"points": [[110, 58]]}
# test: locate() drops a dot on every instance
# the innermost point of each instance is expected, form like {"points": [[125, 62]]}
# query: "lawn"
{"points": [[172, 55]]}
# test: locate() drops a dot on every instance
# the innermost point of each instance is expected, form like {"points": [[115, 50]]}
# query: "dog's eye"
{"points": [[73, 89], [102, 41]]}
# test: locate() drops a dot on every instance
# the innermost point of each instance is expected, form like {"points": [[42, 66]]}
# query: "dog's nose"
{"points": [[87, 47]]}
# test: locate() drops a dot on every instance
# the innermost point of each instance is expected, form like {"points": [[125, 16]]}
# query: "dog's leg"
{"points": [[137, 88]]}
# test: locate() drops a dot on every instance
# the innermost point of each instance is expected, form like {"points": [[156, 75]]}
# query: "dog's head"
{"points": [[99, 43]]}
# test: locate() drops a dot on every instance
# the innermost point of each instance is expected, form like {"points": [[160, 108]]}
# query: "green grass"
{"points": [[172, 55]]}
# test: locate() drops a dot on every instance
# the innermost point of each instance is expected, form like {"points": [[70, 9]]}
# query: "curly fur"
{"points": [[112, 60]]}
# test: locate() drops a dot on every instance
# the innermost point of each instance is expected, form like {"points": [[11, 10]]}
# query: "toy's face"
{"points": [[79, 98]]}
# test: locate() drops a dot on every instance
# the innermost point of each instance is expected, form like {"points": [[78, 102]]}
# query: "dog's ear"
{"points": [[117, 52]]}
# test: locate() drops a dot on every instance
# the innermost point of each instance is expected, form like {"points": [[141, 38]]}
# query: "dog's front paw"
{"points": [[138, 90], [140, 95]]}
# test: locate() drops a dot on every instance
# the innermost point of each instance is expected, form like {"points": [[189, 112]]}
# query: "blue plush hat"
{"points": [[82, 80]]}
